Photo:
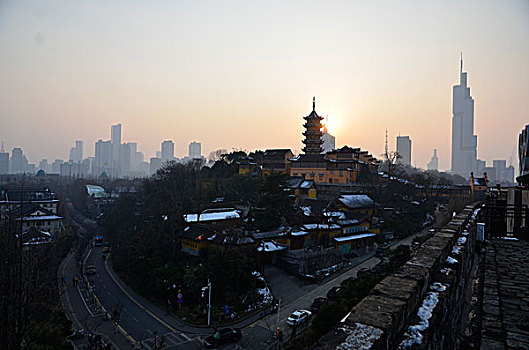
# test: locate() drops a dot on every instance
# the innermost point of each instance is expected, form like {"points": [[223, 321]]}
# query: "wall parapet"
{"points": [[420, 305]]}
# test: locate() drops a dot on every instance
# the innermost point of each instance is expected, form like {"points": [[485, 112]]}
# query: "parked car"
{"points": [[91, 270], [333, 293], [298, 317], [362, 272], [222, 336], [317, 304], [348, 280], [380, 252]]}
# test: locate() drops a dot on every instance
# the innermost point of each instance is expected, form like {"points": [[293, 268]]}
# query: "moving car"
{"points": [[222, 336], [91, 270], [298, 317], [317, 304]]}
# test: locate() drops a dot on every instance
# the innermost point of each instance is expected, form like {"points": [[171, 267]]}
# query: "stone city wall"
{"points": [[420, 306]]}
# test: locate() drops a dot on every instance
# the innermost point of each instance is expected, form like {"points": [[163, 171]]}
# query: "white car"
{"points": [[298, 317]]}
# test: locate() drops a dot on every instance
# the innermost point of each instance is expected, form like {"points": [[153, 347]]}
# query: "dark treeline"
{"points": [[143, 227], [31, 315]]}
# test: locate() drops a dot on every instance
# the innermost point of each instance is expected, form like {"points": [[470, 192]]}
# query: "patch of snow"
{"points": [[465, 233], [413, 335], [438, 287], [461, 240], [451, 260], [212, 237], [256, 274], [355, 237], [335, 214], [456, 249], [306, 211], [266, 294], [213, 215], [321, 226], [509, 238], [361, 337], [446, 270]]}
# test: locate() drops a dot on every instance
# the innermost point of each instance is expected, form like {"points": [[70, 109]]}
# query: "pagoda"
{"points": [[312, 131], [341, 166]]}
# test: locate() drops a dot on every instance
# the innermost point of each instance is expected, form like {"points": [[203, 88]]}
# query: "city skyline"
{"points": [[159, 76]]}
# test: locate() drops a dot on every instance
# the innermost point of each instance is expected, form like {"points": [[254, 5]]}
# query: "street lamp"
{"points": [[208, 287]]}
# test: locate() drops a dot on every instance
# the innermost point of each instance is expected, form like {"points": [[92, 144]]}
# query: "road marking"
{"points": [[137, 303], [66, 291], [84, 302], [185, 336], [134, 318]]}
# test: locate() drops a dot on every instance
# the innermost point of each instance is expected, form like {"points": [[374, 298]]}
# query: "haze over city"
{"points": [[240, 74]]}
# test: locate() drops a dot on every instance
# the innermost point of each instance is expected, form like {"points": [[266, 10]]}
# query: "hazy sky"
{"points": [[242, 73]]}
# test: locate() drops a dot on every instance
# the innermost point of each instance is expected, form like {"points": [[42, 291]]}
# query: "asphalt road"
{"points": [[143, 326], [139, 323]]}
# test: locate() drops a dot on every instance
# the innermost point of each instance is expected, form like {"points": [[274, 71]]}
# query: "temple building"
{"points": [[341, 166]]}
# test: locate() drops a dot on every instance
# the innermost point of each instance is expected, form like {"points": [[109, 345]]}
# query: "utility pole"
{"points": [[209, 299], [209, 303], [278, 309]]}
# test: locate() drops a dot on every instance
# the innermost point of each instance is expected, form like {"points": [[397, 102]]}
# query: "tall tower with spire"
{"points": [[312, 131], [464, 142]]}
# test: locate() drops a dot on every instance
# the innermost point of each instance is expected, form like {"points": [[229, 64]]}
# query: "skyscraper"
{"points": [[18, 163], [434, 162], [76, 153], [464, 142], [167, 151], [103, 157], [4, 161], [195, 150], [115, 140], [404, 149], [329, 141]]}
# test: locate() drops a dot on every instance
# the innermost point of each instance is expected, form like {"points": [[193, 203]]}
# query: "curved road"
{"points": [[138, 323]]}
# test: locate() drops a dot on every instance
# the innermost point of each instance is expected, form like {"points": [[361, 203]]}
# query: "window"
{"points": [[330, 181], [321, 175], [295, 174], [332, 172], [341, 173], [311, 174]]}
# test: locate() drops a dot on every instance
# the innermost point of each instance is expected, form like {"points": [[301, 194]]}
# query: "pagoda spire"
{"points": [[314, 103]]}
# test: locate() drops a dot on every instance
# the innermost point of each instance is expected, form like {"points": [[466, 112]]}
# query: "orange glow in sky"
{"points": [[241, 74]]}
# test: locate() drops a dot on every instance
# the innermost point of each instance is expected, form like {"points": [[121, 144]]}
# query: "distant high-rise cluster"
{"points": [[112, 158]]}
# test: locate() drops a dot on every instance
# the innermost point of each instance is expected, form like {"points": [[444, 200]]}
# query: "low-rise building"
{"points": [[35, 216], [276, 161], [478, 186]]}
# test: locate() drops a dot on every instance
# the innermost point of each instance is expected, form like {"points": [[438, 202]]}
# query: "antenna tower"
{"points": [[386, 147]]}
